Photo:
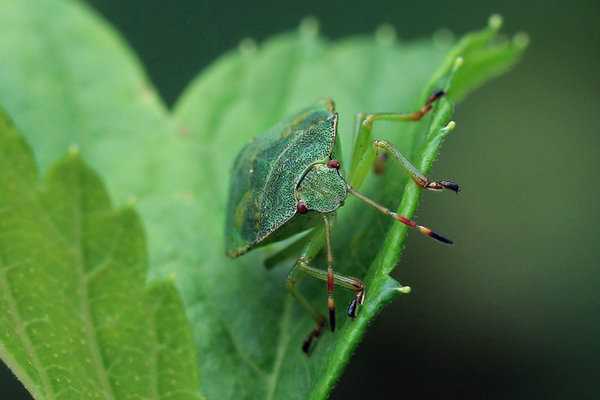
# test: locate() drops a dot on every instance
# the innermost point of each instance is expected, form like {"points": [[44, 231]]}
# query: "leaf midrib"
{"points": [[282, 344]]}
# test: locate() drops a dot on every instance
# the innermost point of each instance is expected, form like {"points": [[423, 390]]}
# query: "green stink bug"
{"points": [[286, 181]]}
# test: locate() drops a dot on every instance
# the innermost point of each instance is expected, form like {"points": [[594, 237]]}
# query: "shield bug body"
{"points": [[287, 181]]}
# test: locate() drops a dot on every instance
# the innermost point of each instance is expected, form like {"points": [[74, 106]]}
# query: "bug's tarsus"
{"points": [[436, 236], [352, 308], [313, 336], [332, 318], [435, 96], [422, 229], [428, 104], [358, 300], [451, 185], [441, 185]]}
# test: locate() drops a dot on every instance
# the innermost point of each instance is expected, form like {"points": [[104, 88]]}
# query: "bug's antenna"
{"points": [[406, 221]]}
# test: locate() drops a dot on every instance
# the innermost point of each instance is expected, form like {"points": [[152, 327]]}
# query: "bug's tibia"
{"points": [[330, 299], [331, 307]]}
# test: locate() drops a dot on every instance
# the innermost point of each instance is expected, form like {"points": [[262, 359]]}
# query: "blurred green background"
{"points": [[513, 311]]}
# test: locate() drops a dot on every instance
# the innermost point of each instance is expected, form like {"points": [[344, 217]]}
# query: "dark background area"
{"points": [[513, 311]]}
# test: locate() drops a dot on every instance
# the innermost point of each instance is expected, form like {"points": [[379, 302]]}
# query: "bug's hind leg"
{"points": [[316, 316]]}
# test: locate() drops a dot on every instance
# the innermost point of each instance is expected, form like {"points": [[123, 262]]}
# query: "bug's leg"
{"points": [[412, 171], [303, 265], [330, 282], [317, 316], [379, 164], [347, 282], [408, 222], [364, 128]]}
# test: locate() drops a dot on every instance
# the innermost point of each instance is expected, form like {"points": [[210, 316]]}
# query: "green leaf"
{"points": [[361, 74], [247, 330], [76, 319]]}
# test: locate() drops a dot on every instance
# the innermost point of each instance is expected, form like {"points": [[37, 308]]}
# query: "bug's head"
{"points": [[322, 189]]}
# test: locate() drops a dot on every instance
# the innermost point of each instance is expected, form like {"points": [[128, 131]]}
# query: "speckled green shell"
{"points": [[262, 203]]}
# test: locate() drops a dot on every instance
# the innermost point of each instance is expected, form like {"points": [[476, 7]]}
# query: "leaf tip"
{"points": [[495, 22], [309, 26], [458, 63], [247, 46], [74, 151], [449, 127], [403, 289], [521, 40]]}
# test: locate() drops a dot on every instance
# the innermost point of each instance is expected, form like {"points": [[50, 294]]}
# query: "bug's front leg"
{"points": [[362, 158]]}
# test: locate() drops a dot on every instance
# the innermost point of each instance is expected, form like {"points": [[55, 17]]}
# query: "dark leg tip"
{"points": [[306, 347], [440, 238], [352, 308], [450, 185], [436, 96], [332, 319], [314, 335]]}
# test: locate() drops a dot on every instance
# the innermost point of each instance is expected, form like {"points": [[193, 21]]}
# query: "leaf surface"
{"points": [[247, 330], [77, 320]]}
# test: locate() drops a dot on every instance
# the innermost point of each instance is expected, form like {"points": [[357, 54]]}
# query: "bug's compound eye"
{"points": [[301, 207], [335, 164]]}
